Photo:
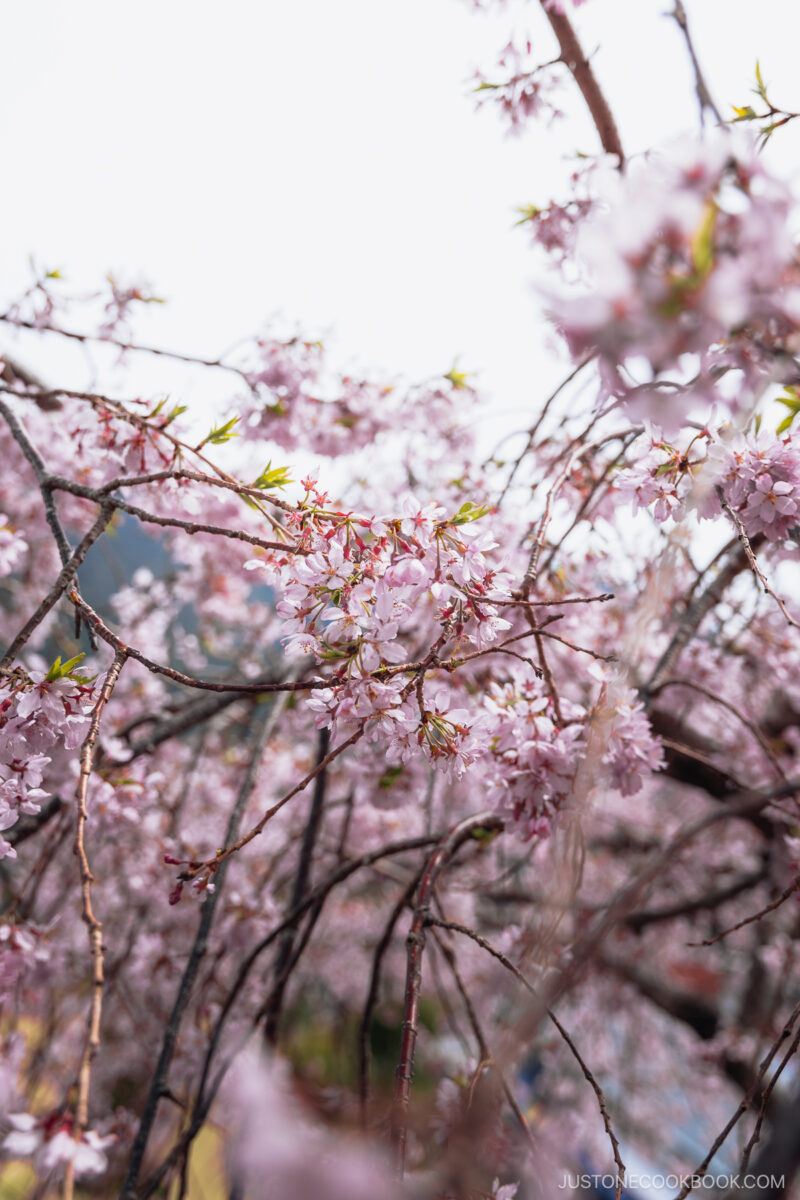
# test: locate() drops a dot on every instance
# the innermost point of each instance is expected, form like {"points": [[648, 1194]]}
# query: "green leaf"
{"points": [[527, 212], [457, 378], [177, 411], [390, 777], [470, 512], [222, 433], [790, 400], [766, 131], [59, 670], [703, 241], [744, 114], [272, 477], [761, 88], [480, 834]]}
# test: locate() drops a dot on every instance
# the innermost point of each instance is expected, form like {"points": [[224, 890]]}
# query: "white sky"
{"points": [[323, 161]]}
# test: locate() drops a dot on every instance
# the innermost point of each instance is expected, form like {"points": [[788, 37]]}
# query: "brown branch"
{"points": [[784, 896], [318, 769], [44, 481], [486, 1059], [415, 943], [65, 580], [744, 1104], [697, 611], [705, 902], [577, 63], [372, 995], [768, 1090], [677, 681], [93, 925], [124, 346], [257, 688], [537, 423], [704, 97], [586, 948], [284, 959], [486, 945], [760, 577], [158, 1084]]}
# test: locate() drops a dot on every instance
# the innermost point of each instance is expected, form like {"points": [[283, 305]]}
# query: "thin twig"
{"points": [[486, 945], [751, 558], [744, 1104], [45, 487], [93, 925], [206, 1092], [415, 943], [768, 1090], [704, 97], [784, 896], [158, 1083], [372, 995], [64, 581], [284, 958]]}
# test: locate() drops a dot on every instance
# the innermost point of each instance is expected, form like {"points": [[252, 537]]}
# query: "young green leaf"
{"points": [[703, 241], [791, 401], [221, 433], [174, 412], [457, 378], [59, 670], [272, 477], [470, 512]]}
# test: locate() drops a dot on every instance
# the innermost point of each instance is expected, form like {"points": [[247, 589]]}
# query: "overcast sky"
{"points": [[323, 161]]}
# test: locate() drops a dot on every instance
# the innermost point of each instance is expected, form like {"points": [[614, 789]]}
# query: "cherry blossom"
{"points": [[399, 812]]}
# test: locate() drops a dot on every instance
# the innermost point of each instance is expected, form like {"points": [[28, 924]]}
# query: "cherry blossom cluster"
{"points": [[757, 476], [760, 479], [12, 546], [533, 760], [38, 713], [525, 93], [691, 274], [372, 721], [662, 478], [362, 588], [51, 1142], [631, 751], [301, 402]]}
